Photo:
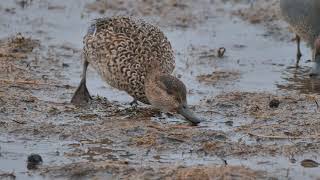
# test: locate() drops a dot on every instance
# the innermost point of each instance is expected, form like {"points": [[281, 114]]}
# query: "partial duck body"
{"points": [[135, 57], [302, 15]]}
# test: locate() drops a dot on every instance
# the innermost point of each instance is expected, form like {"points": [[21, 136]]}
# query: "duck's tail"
{"points": [[95, 24], [92, 29]]}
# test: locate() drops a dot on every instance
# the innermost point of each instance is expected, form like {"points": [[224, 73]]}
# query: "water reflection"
{"points": [[298, 79]]}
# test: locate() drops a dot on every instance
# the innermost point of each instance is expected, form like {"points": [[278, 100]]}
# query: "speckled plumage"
{"points": [[124, 50], [303, 16], [136, 57]]}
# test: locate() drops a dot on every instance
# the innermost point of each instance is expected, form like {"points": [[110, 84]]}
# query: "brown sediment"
{"points": [[219, 77]]}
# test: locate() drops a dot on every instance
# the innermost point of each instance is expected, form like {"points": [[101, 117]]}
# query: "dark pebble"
{"points": [[229, 123], [274, 103], [65, 65], [220, 137], [33, 161]]}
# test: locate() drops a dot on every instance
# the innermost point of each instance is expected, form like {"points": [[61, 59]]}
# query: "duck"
{"points": [[134, 56], [302, 16]]}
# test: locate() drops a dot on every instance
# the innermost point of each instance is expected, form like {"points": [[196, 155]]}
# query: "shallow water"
{"points": [[262, 62], [15, 150]]}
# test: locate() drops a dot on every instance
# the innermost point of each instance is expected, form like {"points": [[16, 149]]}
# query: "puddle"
{"points": [[284, 168], [254, 62], [299, 80], [15, 152]]}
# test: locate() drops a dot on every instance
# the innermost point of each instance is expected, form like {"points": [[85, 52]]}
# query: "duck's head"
{"points": [[168, 94], [315, 71]]}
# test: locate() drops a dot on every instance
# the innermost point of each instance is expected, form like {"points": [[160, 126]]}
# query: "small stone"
{"points": [[65, 65], [220, 137], [274, 103], [33, 161], [229, 123], [35, 158]]}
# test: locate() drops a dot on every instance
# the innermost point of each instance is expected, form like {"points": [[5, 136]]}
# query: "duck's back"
{"points": [[124, 51], [303, 16]]}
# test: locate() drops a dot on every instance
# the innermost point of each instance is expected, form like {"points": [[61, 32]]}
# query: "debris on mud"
{"points": [[261, 11], [120, 169], [308, 163], [274, 103], [222, 172], [218, 77], [6, 175], [296, 118], [13, 52], [205, 53], [15, 48], [266, 13], [173, 12]]}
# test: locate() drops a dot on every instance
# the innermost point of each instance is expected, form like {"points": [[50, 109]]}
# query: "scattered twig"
{"points": [[252, 127], [213, 112], [176, 139], [35, 82], [19, 122], [317, 104], [156, 127], [31, 82], [220, 53], [207, 56], [7, 175], [264, 125], [284, 137]]}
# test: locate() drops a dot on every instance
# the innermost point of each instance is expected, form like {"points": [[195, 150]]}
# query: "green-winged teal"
{"points": [[135, 57], [302, 15]]}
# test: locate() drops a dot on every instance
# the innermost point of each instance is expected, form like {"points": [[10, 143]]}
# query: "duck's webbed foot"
{"points": [[82, 95]]}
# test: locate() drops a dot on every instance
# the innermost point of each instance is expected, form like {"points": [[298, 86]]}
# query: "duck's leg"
{"points": [[134, 103], [82, 96], [298, 50]]}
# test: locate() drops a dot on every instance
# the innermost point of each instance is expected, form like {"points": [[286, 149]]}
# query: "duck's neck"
{"points": [[152, 77], [150, 86]]}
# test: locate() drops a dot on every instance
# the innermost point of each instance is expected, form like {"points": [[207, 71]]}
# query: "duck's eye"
{"points": [[170, 92]]}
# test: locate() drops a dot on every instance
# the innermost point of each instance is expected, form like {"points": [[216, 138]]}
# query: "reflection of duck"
{"points": [[297, 80], [135, 57], [303, 16]]}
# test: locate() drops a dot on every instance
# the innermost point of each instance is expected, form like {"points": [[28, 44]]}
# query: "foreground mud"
{"points": [[261, 115]]}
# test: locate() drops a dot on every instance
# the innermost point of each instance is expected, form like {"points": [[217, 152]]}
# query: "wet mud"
{"points": [[261, 115]]}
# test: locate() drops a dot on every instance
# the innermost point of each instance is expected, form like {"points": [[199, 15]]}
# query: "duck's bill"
{"points": [[185, 111]]}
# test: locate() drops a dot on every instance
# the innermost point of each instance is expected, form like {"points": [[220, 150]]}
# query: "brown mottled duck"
{"points": [[302, 15], [136, 57]]}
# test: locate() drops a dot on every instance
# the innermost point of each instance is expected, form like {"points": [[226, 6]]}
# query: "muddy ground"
{"points": [[261, 115]]}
